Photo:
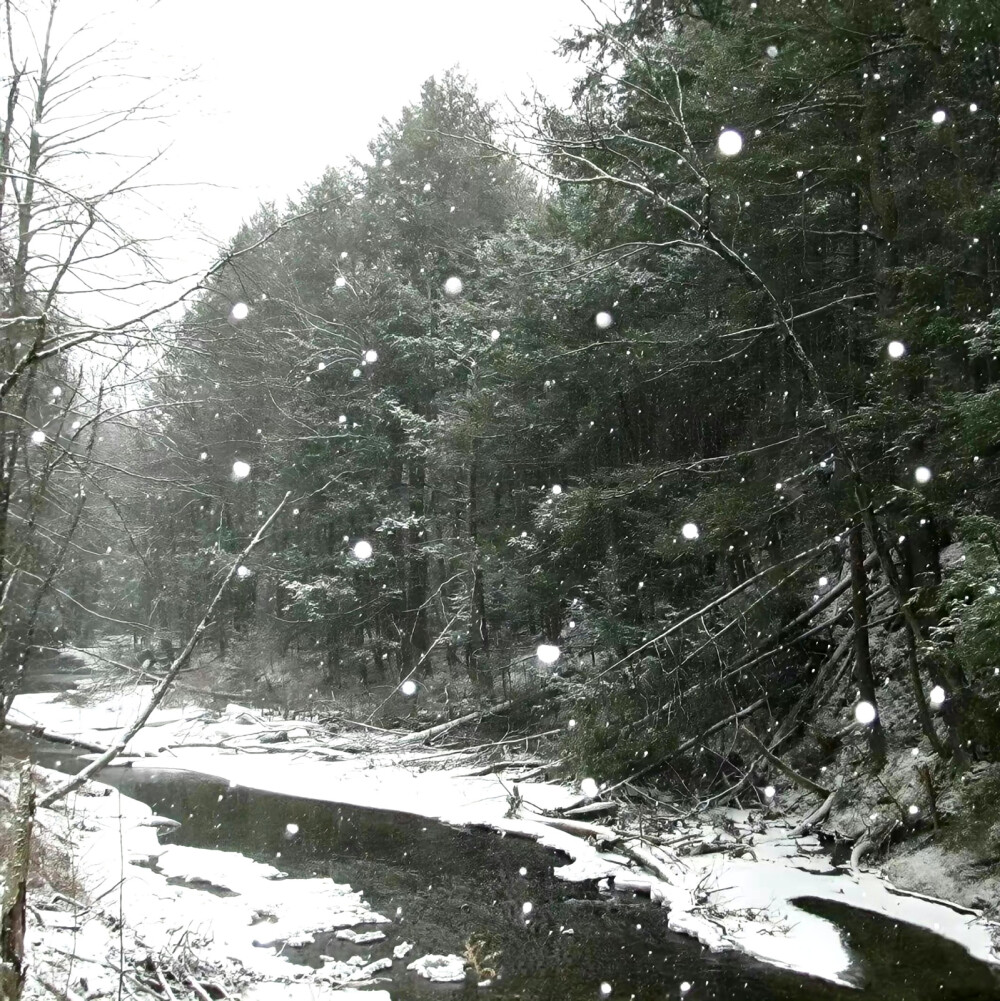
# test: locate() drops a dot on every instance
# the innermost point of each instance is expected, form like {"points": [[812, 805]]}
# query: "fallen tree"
{"points": [[37, 730]]}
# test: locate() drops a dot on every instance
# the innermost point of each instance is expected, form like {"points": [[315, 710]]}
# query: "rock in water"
{"points": [[163, 823], [441, 969], [360, 937]]}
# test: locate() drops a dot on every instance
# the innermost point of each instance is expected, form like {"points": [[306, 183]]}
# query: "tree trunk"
{"points": [[862, 651], [479, 630], [417, 565], [14, 892]]}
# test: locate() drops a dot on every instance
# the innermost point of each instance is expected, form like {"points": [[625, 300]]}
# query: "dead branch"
{"points": [[796, 777], [419, 736], [161, 689]]}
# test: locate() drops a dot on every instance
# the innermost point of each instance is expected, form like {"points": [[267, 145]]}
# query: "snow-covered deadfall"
{"points": [[725, 903]]}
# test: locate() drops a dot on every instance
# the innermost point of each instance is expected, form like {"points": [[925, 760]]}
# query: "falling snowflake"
{"points": [[453, 286], [243, 572], [291, 830], [556, 489], [864, 713], [603, 320], [937, 695], [408, 687], [38, 437], [371, 356], [772, 51], [896, 349], [494, 335], [939, 116], [240, 311], [730, 142], [362, 550], [922, 474], [547, 653], [690, 530], [527, 907], [589, 788], [241, 469], [769, 792]]}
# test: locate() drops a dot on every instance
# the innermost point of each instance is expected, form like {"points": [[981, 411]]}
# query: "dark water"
{"points": [[452, 885], [53, 671]]}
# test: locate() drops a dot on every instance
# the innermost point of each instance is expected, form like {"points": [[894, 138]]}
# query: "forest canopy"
{"points": [[648, 381]]}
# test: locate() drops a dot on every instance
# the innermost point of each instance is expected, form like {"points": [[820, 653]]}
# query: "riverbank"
{"points": [[110, 904], [747, 904]]}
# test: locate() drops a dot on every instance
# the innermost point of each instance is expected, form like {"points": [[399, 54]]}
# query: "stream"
{"points": [[443, 885]]}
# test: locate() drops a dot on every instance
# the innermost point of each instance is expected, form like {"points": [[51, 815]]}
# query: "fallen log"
{"points": [[819, 814], [37, 730], [500, 766], [635, 850], [601, 834], [589, 809], [418, 736]]}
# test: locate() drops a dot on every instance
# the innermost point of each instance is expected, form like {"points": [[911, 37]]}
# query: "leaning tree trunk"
{"points": [[14, 889]]}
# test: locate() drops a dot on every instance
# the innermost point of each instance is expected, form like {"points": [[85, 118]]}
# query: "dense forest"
{"points": [[679, 402]]}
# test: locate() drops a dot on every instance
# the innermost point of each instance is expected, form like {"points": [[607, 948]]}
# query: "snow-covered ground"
{"points": [[723, 902]]}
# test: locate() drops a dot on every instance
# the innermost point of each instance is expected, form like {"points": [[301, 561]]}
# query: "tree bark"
{"points": [[862, 650], [14, 892]]}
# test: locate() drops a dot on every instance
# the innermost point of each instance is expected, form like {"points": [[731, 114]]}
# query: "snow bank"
{"points": [[232, 909], [310, 992]]}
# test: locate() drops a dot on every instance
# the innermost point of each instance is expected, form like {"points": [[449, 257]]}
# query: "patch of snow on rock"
{"points": [[440, 969]]}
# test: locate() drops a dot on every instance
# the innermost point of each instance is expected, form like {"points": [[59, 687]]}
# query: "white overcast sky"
{"points": [[283, 90]]}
